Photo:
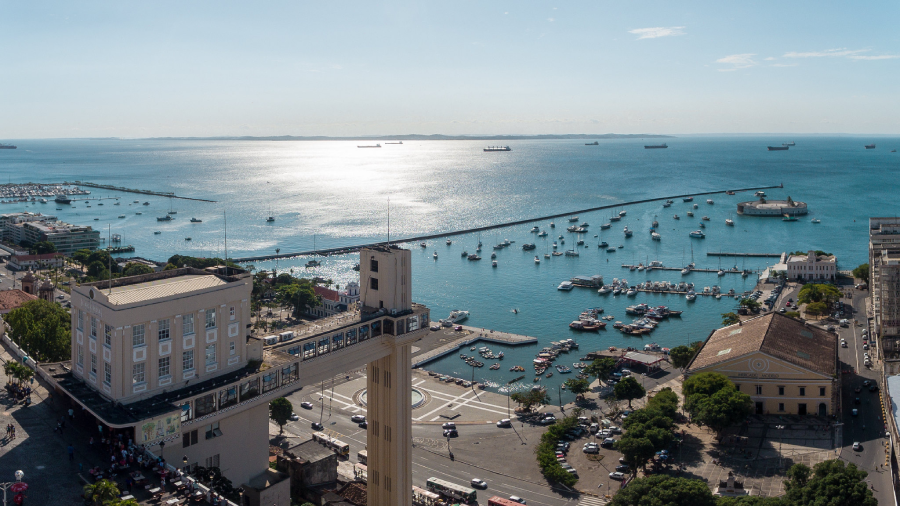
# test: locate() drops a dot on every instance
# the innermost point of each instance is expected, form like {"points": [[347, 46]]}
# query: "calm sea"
{"points": [[330, 194]]}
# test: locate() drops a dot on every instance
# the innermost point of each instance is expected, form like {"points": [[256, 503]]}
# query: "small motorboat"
{"points": [[434, 255], [537, 260]]}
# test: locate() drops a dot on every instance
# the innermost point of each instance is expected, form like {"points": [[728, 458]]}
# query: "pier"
{"points": [[757, 255], [441, 235], [695, 269], [468, 336], [133, 190]]}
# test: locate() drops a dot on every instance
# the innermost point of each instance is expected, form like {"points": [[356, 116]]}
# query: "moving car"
{"points": [[294, 417], [506, 422], [317, 426], [306, 405], [451, 433], [363, 424], [448, 426], [517, 499], [857, 446], [478, 483], [358, 418]]}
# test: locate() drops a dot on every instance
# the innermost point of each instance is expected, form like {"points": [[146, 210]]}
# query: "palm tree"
{"points": [[102, 492]]}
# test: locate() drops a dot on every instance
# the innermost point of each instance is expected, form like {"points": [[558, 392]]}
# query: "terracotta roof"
{"points": [[356, 493], [327, 293], [773, 334], [11, 299], [45, 256]]}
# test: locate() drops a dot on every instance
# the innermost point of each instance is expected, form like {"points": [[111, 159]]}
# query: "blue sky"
{"points": [[352, 68]]}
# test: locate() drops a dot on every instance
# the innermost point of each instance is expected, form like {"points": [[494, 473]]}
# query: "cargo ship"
{"points": [[595, 143], [870, 146], [497, 148], [661, 146], [367, 146], [7, 146], [778, 148]]}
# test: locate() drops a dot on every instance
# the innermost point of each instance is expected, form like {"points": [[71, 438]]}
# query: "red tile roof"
{"points": [[327, 294], [12, 299], [45, 256]]}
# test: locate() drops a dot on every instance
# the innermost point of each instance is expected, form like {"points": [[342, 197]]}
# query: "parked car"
{"points": [[616, 475], [363, 424], [608, 442], [591, 449], [517, 499], [614, 430], [623, 468], [506, 422], [594, 427], [854, 411], [857, 446]]}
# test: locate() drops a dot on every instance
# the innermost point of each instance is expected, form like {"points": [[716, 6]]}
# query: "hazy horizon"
{"points": [[214, 69]]}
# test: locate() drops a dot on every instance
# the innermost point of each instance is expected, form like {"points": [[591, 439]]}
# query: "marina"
{"points": [[467, 337]]}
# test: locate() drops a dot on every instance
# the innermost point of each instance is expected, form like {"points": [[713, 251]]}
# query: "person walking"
{"points": [[71, 450], [71, 414]]}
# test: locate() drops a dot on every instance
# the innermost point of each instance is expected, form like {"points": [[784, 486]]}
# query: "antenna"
{"points": [[225, 217], [389, 223]]}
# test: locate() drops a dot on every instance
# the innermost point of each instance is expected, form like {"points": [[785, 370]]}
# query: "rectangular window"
{"points": [[187, 360], [93, 327], [212, 430], [80, 320], [231, 348], [780, 390], [163, 367], [189, 438], [187, 413], [250, 389], [211, 318], [227, 397], [93, 363], [107, 373], [163, 332], [373, 283], [137, 373], [822, 391], [231, 313], [270, 380], [737, 387], [187, 324], [79, 355], [802, 391], [289, 373], [211, 354], [373, 265], [137, 335], [780, 406], [205, 405], [107, 335], [212, 461]]}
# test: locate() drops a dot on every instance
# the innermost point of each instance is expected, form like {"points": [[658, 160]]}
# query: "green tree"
{"points": [[750, 304], [813, 292], [816, 308], [706, 383], [629, 389], [730, 319], [98, 270], [300, 297], [753, 500], [636, 450], [832, 482], [601, 368], [280, 410], [170, 267], [531, 398], [41, 328], [681, 356], [43, 247], [663, 490], [81, 257], [862, 272], [136, 269], [720, 410], [579, 387], [665, 401], [102, 493]]}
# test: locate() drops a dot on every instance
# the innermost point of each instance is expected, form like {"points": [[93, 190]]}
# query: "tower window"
{"points": [[373, 283], [373, 265]]}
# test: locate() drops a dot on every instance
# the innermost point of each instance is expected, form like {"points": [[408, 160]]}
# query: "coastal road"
{"points": [[482, 450], [867, 427]]}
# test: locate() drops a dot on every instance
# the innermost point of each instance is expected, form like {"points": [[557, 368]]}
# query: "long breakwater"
{"points": [[440, 235]]}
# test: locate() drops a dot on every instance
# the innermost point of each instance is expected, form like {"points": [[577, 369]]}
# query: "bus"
{"points": [[363, 457], [499, 501], [451, 490], [422, 497], [340, 447]]}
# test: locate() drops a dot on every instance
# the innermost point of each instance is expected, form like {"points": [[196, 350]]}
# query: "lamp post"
{"points": [[162, 446], [19, 475]]}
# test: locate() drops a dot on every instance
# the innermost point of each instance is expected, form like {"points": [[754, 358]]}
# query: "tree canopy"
{"points": [[280, 410], [299, 295], [682, 355], [546, 452], [601, 368], [862, 272], [663, 490], [578, 386], [136, 269], [831, 483], [816, 308], [629, 389], [531, 398], [43, 247], [180, 261], [42, 329], [730, 319], [815, 292], [714, 401], [750, 304], [665, 401]]}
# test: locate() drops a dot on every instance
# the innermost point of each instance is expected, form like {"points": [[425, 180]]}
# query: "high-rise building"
{"points": [[884, 283]]}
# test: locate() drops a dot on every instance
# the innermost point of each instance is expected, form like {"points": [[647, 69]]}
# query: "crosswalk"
{"points": [[592, 501]]}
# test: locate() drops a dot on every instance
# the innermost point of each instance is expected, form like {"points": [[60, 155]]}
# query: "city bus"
{"points": [[363, 457], [499, 501], [340, 447], [422, 497], [451, 490]]}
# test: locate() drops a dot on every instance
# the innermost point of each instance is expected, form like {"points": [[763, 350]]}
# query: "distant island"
{"points": [[418, 137]]}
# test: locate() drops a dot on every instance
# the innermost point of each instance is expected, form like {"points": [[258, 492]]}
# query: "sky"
{"points": [[198, 68]]}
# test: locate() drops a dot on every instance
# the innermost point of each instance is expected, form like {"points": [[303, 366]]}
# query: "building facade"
{"points": [[784, 366], [11, 224], [333, 301], [36, 262], [66, 237], [884, 283], [811, 266]]}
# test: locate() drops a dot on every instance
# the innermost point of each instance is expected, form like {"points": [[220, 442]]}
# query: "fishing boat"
{"points": [[603, 244], [690, 214], [543, 234], [193, 220], [705, 218], [573, 219], [676, 217], [655, 236], [493, 263], [667, 204], [464, 254], [563, 369], [710, 201], [535, 229], [688, 199]]}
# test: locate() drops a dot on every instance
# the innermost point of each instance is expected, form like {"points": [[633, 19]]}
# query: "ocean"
{"points": [[329, 194]]}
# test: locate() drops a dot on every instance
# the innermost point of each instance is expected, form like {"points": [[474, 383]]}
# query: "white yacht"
{"points": [[537, 260], [729, 222], [655, 236], [710, 201], [631, 292], [565, 285], [814, 220], [535, 229], [697, 234], [493, 263], [456, 316], [605, 289], [691, 296], [628, 232]]}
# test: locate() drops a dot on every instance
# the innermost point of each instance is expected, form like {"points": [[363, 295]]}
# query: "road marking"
{"points": [[444, 405]]}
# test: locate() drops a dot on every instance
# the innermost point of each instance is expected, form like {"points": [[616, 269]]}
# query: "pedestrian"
{"points": [[71, 450], [71, 414]]}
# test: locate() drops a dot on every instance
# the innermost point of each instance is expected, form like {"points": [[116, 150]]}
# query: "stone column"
{"points": [[389, 413]]}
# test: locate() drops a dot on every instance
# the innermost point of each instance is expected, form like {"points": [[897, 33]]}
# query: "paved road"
{"points": [[478, 448], [868, 426]]}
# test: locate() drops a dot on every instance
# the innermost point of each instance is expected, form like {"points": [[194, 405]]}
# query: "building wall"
{"points": [[773, 382], [230, 302], [242, 449], [385, 279], [810, 267]]}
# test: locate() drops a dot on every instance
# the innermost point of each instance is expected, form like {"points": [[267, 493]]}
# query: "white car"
{"points": [[517, 499], [857, 446], [448, 426], [294, 417], [358, 418], [614, 430], [306, 405], [506, 422], [617, 475], [478, 483]]}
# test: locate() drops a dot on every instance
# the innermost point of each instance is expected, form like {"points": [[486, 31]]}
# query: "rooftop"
{"points": [[773, 334], [327, 293], [310, 451], [158, 285], [11, 299], [772, 204]]}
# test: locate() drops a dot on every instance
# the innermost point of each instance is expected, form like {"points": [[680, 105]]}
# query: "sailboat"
{"points": [[313, 263], [170, 208], [271, 218]]}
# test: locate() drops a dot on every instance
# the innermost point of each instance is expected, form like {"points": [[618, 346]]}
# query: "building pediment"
{"points": [[762, 366]]}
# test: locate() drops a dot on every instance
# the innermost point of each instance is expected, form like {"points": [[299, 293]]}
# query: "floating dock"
{"points": [[695, 269], [471, 335], [353, 249], [758, 255]]}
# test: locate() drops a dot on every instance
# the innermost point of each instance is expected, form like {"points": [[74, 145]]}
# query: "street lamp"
{"points": [[19, 475]]}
